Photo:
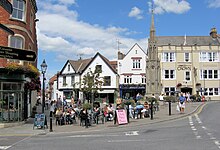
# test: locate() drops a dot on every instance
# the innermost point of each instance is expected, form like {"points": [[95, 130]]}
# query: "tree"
{"points": [[91, 83]]}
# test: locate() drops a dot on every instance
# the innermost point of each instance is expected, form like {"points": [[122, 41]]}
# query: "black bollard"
{"points": [[169, 108], [51, 117], [152, 109], [86, 120], [115, 118], [128, 113]]}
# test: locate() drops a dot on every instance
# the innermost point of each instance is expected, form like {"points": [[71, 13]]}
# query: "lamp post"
{"points": [[43, 71]]}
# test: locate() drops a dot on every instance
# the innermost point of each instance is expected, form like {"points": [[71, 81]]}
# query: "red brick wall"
{"points": [[5, 19]]}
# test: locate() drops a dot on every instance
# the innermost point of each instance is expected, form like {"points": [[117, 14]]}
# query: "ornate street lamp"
{"points": [[43, 71]]}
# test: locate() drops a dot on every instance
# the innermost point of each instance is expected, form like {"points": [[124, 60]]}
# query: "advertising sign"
{"points": [[121, 116]]}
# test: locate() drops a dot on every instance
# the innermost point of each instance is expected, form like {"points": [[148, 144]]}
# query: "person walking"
{"points": [[182, 103]]}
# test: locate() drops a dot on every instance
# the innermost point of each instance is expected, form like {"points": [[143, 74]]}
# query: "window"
{"points": [[211, 91], [18, 9], [136, 63], [209, 74], [187, 76], [69, 67], [72, 80], [169, 90], [107, 81], [16, 42], [169, 74], [143, 79], [98, 69], [216, 91], [168, 57], [127, 79], [209, 57], [64, 81], [186, 57]]}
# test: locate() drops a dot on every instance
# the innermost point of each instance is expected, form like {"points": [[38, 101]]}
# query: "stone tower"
{"points": [[153, 70]]}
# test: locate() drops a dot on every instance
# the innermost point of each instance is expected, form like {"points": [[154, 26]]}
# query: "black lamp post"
{"points": [[43, 71]]}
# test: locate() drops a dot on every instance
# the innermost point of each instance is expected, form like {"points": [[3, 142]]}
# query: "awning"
{"points": [[106, 91]]}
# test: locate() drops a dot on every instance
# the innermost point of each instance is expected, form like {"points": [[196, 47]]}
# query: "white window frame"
{"points": [[143, 79], [136, 63], [187, 57], [18, 9], [169, 74], [127, 79], [209, 57], [209, 74], [170, 89], [168, 57], [187, 76]]}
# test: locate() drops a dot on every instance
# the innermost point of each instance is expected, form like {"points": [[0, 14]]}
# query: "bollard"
{"points": [[115, 118], [51, 117], [86, 120], [128, 113], [151, 112], [169, 108]]}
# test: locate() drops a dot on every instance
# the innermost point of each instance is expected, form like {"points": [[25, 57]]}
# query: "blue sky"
{"points": [[68, 29]]}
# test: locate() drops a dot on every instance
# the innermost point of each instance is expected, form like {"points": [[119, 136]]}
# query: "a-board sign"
{"points": [[121, 116], [39, 120], [15, 53], [6, 5]]}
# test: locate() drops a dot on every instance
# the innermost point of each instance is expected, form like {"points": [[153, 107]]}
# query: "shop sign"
{"points": [[183, 67]]}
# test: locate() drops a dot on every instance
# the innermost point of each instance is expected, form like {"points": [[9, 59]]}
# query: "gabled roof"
{"points": [[186, 40], [78, 65], [104, 59], [133, 47], [52, 79]]}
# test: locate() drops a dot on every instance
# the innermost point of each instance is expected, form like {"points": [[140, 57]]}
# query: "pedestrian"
{"points": [[182, 103]]}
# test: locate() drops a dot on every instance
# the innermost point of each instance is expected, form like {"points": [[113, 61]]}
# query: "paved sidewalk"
{"points": [[160, 116]]}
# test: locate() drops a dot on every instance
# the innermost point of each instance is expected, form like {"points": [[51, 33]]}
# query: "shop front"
{"points": [[11, 102]]}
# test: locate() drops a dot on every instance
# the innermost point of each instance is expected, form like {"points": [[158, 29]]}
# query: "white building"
{"points": [[131, 68], [70, 79]]}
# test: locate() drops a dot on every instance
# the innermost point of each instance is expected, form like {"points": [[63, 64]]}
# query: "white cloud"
{"points": [[67, 2], [64, 34], [171, 6], [136, 13], [214, 3]]}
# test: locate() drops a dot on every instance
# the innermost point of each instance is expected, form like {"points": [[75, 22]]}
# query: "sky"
{"points": [[70, 29]]}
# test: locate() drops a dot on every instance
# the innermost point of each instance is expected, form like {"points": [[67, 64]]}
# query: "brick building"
{"points": [[15, 101]]}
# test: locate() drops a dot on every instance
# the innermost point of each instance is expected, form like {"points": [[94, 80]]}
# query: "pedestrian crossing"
{"points": [[200, 131]]}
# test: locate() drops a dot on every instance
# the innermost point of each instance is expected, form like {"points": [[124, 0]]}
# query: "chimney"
{"points": [[213, 33]]}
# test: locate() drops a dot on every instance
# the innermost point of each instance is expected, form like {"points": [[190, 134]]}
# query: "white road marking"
{"points": [[198, 119], [4, 147], [119, 141], [131, 133]]}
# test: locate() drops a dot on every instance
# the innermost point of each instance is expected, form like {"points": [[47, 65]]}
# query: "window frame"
{"points": [[18, 9]]}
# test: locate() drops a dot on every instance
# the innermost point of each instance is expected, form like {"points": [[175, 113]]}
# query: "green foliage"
{"points": [[91, 82], [170, 98], [150, 99], [87, 106]]}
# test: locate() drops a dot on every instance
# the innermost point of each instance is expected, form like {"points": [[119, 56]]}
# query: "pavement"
{"points": [[26, 128]]}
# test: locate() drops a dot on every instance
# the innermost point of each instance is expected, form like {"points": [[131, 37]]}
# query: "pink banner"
{"points": [[121, 116]]}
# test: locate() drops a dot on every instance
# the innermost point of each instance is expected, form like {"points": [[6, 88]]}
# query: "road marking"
{"points": [[119, 141], [94, 135], [131, 133], [198, 119], [4, 147]]}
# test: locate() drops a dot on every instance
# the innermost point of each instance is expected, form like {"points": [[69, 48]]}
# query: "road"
{"points": [[200, 131]]}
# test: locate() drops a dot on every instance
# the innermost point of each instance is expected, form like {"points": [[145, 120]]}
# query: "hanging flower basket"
{"points": [[198, 84], [179, 85]]}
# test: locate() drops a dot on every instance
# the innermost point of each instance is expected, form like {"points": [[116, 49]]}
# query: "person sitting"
{"points": [[139, 107], [59, 116], [145, 111]]}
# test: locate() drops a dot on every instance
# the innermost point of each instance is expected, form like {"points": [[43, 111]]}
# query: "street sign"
{"points": [[6, 29], [15, 53], [6, 5]]}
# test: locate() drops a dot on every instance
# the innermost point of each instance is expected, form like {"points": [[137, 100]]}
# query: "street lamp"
{"points": [[43, 71]]}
